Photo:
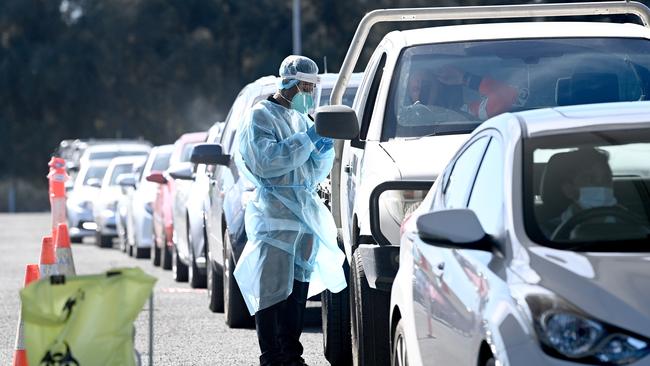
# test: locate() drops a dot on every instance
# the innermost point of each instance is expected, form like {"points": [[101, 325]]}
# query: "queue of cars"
{"points": [[491, 185]]}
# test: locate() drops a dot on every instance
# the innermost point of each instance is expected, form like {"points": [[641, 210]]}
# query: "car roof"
{"points": [[128, 159], [120, 146], [518, 30], [163, 148], [192, 137], [587, 117]]}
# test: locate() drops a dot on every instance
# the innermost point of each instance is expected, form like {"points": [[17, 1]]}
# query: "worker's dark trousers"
{"points": [[279, 328]]}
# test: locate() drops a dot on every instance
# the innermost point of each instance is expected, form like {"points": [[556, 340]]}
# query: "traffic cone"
{"points": [[56, 178], [20, 355], [64, 260], [48, 258]]}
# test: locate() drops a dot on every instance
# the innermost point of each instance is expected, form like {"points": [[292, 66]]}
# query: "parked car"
{"points": [[163, 216], [422, 92], [140, 201], [229, 193], [191, 245], [105, 202], [79, 203], [516, 261]]}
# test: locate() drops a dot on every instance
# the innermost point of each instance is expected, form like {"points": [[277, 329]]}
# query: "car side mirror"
{"points": [[209, 154], [183, 171], [156, 177], [337, 122], [455, 229], [126, 180], [94, 182]]}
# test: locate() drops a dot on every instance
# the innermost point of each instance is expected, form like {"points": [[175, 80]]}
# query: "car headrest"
{"points": [[553, 198], [586, 88]]}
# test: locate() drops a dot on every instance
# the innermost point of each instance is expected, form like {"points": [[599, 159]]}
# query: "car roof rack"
{"points": [[474, 12]]}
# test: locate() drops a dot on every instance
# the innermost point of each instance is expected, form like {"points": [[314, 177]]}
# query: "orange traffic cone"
{"points": [[20, 355], [48, 258], [57, 177], [64, 260]]}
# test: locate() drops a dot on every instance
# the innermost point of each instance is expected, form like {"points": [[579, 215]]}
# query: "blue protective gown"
{"points": [[291, 233]]}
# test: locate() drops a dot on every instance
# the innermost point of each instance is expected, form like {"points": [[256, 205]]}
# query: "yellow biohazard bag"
{"points": [[84, 320]]}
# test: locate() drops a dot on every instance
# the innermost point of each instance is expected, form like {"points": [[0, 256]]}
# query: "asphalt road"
{"points": [[185, 331]]}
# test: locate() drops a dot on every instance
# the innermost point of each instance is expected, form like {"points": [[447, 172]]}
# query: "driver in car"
{"points": [[588, 184], [442, 89]]}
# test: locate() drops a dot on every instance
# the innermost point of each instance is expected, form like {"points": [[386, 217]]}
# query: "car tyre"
{"points": [[103, 241], [154, 254], [235, 310], [195, 278], [215, 288], [369, 310], [399, 355], [142, 252], [166, 256], [76, 239], [179, 269], [335, 311]]}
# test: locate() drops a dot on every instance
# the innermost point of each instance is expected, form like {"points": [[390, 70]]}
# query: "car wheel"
{"points": [[154, 254], [76, 239], [490, 362], [235, 310], [215, 288], [103, 241], [195, 278], [335, 311], [142, 252], [399, 347], [369, 310], [165, 255], [179, 269]]}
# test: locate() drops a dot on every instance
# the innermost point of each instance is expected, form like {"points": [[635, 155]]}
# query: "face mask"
{"points": [[591, 197], [302, 101]]}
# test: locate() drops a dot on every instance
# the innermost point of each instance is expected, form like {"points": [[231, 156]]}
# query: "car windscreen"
{"points": [[187, 151], [161, 162], [452, 87], [348, 96], [95, 172], [120, 169], [107, 155], [589, 190]]}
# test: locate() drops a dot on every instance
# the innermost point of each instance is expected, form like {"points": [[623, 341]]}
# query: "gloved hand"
{"points": [[313, 136], [324, 144]]}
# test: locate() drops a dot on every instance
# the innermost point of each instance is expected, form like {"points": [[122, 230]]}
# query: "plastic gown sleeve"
{"points": [[321, 164], [267, 157]]}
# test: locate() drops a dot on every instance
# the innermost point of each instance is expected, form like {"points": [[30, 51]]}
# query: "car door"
{"points": [[465, 285], [214, 216], [435, 304], [355, 150]]}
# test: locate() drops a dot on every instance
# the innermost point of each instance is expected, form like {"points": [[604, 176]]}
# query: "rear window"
{"points": [[95, 172], [120, 169], [107, 155], [187, 151], [453, 87], [161, 162]]}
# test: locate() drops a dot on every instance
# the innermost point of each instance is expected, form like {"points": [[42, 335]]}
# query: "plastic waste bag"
{"points": [[84, 320]]}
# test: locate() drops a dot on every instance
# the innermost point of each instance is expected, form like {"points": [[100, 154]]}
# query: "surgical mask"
{"points": [[302, 102], [591, 197]]}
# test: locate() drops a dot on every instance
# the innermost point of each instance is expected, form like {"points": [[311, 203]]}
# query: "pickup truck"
{"points": [[422, 92]]}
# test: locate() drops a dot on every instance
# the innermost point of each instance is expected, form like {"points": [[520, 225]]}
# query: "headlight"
{"points": [[566, 332]]}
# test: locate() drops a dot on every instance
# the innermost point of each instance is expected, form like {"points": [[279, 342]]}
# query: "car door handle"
{"points": [[439, 269], [213, 183], [347, 169]]}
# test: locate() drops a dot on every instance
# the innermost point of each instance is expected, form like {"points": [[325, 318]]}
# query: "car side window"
{"points": [[486, 199], [459, 182]]}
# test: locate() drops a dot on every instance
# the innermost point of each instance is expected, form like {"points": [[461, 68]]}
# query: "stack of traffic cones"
{"points": [[64, 260], [47, 264], [20, 355]]}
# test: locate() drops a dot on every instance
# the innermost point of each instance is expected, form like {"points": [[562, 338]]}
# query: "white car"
{"points": [[105, 202], [423, 91], [139, 205], [532, 246], [79, 203]]}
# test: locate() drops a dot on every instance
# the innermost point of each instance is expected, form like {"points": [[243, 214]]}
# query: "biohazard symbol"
{"points": [[59, 358], [70, 303]]}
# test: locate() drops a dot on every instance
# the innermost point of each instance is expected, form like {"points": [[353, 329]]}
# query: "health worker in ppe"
{"points": [[291, 252]]}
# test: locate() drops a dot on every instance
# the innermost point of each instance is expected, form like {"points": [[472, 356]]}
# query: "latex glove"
{"points": [[313, 136], [324, 144]]}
